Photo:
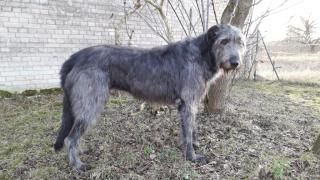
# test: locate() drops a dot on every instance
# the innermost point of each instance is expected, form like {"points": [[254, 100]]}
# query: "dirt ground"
{"points": [[267, 133]]}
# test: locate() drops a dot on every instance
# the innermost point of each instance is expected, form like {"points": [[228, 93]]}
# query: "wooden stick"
{"points": [[269, 57]]}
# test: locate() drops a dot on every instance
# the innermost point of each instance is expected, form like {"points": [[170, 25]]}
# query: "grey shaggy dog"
{"points": [[178, 73]]}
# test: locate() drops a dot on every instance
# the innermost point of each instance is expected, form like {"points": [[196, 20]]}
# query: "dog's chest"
{"points": [[212, 80]]}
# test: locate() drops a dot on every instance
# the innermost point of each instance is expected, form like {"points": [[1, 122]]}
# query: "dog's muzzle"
{"points": [[234, 62]]}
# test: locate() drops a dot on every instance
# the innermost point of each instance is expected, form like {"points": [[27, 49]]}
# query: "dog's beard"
{"points": [[225, 70]]}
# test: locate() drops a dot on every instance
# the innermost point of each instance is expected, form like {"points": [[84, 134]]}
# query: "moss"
{"points": [[29, 92], [51, 91], [32, 92], [5, 94]]}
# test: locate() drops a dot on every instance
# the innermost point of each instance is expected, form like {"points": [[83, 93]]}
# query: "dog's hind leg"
{"points": [[88, 96], [66, 124]]}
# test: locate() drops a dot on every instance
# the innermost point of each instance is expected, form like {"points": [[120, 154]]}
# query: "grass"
{"points": [[268, 125], [305, 93], [5, 94], [302, 67], [278, 168], [301, 57]]}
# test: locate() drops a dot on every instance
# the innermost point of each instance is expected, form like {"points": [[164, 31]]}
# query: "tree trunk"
{"points": [[235, 14], [217, 94]]}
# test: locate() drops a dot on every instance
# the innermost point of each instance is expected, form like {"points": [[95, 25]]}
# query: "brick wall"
{"points": [[37, 36]]}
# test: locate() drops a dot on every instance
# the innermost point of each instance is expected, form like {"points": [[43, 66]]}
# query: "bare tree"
{"points": [[198, 15], [118, 25], [304, 33], [235, 13]]}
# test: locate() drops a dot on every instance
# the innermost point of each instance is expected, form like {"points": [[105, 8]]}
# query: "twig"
{"points": [[189, 17], [163, 17], [269, 57], [214, 12], [255, 57], [200, 15], [203, 15], [184, 30], [208, 6], [248, 25], [151, 27], [234, 11], [155, 20], [126, 15]]}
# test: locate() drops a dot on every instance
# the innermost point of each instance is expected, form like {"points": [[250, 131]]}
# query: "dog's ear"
{"points": [[212, 33]]}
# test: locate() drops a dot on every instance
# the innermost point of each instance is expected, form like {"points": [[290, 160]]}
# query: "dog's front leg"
{"points": [[195, 140], [188, 114]]}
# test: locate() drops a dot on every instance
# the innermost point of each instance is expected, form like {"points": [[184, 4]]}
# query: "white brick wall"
{"points": [[37, 36]]}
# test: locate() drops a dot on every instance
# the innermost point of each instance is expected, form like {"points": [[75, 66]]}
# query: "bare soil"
{"points": [[267, 133]]}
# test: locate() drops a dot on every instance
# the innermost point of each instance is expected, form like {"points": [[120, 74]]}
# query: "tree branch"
{"points": [[214, 12], [200, 15], [184, 30]]}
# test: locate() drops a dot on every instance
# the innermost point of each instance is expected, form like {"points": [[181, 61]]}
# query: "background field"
{"points": [[268, 133], [293, 63]]}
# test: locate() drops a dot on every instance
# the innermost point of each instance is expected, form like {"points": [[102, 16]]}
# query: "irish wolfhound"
{"points": [[178, 73]]}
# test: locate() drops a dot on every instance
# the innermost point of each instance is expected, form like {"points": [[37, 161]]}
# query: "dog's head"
{"points": [[227, 46]]}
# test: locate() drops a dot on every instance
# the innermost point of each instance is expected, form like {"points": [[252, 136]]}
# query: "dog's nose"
{"points": [[234, 61], [234, 64]]}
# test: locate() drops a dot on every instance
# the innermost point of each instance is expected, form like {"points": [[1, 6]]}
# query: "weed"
{"points": [[278, 168], [189, 174], [147, 150]]}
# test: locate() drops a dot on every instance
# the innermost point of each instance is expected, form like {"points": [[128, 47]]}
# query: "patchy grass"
{"points": [[307, 94], [5, 94], [268, 133], [297, 66]]}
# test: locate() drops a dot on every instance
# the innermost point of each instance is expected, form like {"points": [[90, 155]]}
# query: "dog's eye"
{"points": [[225, 41]]}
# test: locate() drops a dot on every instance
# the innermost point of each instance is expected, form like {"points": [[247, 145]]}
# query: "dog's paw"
{"points": [[83, 151], [196, 144], [57, 146], [197, 158], [83, 167]]}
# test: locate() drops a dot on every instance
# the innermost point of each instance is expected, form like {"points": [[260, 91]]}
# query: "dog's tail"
{"points": [[66, 68], [67, 117]]}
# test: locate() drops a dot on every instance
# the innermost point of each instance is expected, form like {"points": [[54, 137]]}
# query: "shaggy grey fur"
{"points": [[179, 72]]}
